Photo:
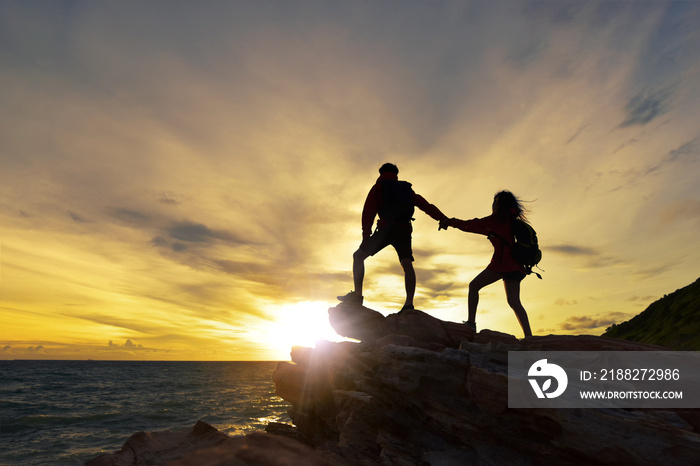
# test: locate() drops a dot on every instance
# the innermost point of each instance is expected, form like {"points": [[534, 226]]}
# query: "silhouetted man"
{"points": [[394, 202]]}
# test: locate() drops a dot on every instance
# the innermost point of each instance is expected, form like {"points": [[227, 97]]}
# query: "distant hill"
{"points": [[673, 321]]}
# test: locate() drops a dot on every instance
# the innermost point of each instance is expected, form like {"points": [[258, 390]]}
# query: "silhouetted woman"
{"points": [[499, 230]]}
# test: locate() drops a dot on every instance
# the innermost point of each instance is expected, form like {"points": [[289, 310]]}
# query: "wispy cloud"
{"points": [[192, 232], [646, 105], [588, 256], [130, 216], [573, 250], [565, 302], [687, 152], [680, 159]]}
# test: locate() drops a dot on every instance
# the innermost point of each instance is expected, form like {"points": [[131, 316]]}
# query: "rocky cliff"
{"points": [[419, 391]]}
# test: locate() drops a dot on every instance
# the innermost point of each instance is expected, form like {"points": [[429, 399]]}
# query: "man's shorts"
{"points": [[399, 236]]}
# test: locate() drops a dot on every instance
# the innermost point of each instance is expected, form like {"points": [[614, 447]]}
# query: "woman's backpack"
{"points": [[526, 250]]}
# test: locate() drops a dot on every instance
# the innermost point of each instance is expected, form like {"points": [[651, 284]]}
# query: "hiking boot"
{"points": [[351, 297], [471, 325]]}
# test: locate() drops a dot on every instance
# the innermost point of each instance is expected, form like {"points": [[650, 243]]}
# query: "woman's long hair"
{"points": [[508, 207]]}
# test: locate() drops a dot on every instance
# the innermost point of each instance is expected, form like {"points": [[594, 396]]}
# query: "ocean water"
{"points": [[67, 412]]}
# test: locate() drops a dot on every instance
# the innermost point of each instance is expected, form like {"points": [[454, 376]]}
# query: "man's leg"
{"points": [[358, 276], [370, 246], [358, 269], [410, 280], [401, 240]]}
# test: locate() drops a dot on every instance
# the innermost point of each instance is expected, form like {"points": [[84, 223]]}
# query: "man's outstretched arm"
{"points": [[428, 208]]}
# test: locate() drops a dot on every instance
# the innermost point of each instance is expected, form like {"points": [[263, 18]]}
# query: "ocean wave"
{"points": [[66, 412]]}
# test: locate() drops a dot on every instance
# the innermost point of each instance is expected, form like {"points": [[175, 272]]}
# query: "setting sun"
{"points": [[300, 324]]}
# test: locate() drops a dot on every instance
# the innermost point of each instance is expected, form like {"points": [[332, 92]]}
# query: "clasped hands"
{"points": [[443, 224]]}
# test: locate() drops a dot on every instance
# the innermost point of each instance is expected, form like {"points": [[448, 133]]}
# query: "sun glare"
{"points": [[300, 324]]}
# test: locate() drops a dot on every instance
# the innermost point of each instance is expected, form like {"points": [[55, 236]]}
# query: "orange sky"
{"points": [[186, 181]]}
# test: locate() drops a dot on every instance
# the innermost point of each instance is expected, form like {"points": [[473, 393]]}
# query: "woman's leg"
{"points": [[485, 278], [513, 295]]}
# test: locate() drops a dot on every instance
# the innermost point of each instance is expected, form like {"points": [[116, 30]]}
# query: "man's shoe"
{"points": [[351, 297]]}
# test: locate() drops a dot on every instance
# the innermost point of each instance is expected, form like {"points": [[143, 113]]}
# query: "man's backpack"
{"points": [[397, 201], [526, 250]]}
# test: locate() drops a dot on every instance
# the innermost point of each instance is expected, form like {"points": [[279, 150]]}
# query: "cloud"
{"points": [[285, 283], [241, 267], [572, 250], [576, 134], [170, 198], [128, 344], [679, 158], [689, 148], [658, 268], [441, 281], [130, 217], [526, 53], [561, 13], [583, 323], [144, 326], [159, 241], [192, 232], [677, 155], [77, 218], [593, 257], [646, 105], [196, 239], [63, 350], [645, 299]]}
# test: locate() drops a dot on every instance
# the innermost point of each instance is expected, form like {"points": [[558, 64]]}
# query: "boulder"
{"points": [[204, 445], [368, 326], [155, 448], [356, 321]]}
